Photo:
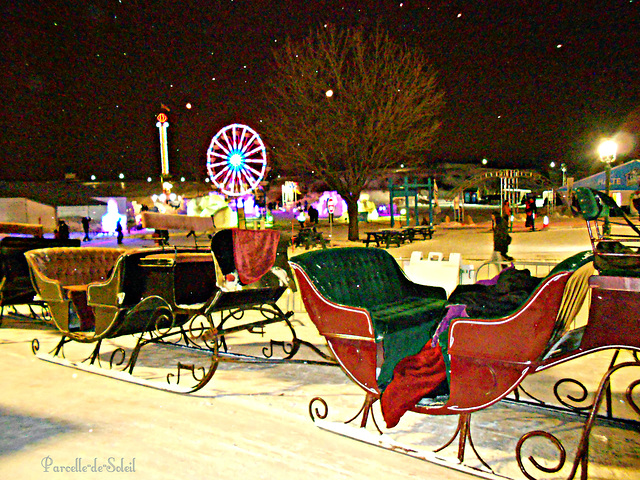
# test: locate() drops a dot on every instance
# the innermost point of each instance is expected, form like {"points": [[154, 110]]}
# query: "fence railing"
{"points": [[490, 269]]}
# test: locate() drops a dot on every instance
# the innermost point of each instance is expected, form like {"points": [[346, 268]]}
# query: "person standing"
{"points": [[457, 216], [313, 214], [85, 227], [501, 238], [506, 212], [63, 230], [530, 212], [119, 232]]}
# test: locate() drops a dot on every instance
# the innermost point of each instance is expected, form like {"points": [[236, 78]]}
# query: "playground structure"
{"points": [[409, 190]]}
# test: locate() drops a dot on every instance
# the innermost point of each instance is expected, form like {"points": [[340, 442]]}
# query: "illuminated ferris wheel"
{"points": [[236, 160]]}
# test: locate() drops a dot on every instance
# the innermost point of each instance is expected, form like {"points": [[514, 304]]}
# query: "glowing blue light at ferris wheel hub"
{"points": [[236, 160]]}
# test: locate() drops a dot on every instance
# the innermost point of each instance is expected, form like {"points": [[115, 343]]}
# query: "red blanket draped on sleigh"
{"points": [[413, 378], [254, 253]]}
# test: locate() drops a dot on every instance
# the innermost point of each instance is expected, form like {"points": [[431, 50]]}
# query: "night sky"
{"points": [[526, 82]]}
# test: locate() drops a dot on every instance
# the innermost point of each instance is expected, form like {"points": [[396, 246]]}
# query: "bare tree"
{"points": [[347, 105]]}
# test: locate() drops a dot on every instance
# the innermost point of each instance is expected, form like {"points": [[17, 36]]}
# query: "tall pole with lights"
{"points": [[607, 151], [162, 125]]}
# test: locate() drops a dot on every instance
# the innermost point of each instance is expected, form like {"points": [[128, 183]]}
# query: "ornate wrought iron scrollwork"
{"points": [[582, 397], [539, 433], [314, 412], [236, 314], [120, 351], [191, 368], [582, 453], [257, 330], [35, 345], [163, 315], [268, 350], [196, 331]]}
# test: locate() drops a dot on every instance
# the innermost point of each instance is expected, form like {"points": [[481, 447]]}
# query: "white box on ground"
{"points": [[435, 271]]}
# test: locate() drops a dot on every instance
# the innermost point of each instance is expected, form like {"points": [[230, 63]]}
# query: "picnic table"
{"points": [[387, 236], [424, 230]]}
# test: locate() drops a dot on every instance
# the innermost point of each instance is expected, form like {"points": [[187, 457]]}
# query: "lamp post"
{"points": [[607, 151]]}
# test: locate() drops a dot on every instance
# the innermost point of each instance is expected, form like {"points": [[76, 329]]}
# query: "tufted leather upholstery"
{"points": [[75, 266], [372, 279]]}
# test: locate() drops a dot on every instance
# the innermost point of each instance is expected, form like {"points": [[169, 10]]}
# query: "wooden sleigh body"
{"points": [[167, 297], [489, 357], [15, 283]]}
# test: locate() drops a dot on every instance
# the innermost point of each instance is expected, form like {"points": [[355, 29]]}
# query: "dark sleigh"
{"points": [[187, 299]]}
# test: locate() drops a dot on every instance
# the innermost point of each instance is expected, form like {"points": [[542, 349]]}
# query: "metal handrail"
{"points": [[538, 269]]}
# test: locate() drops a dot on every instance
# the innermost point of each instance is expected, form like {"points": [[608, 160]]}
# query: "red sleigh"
{"points": [[354, 296]]}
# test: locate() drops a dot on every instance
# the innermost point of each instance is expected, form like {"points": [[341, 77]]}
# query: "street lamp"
{"points": [[607, 151]]}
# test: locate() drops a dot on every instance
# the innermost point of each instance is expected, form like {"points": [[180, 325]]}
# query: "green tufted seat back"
{"points": [[357, 277], [372, 279]]}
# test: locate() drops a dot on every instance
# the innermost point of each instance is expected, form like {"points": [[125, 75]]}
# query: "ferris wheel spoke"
{"points": [[225, 160], [230, 145], [234, 134], [219, 155], [249, 168], [235, 181], [257, 149], [241, 137], [255, 160], [222, 171], [247, 176], [224, 149], [251, 141], [243, 143], [246, 179]]}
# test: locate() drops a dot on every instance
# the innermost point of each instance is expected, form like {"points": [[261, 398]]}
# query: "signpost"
{"points": [[331, 206]]}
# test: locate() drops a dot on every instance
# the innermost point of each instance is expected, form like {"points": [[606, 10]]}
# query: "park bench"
{"points": [[426, 231]]}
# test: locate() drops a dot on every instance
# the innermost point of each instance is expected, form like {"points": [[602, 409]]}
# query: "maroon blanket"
{"points": [[254, 253], [413, 378]]}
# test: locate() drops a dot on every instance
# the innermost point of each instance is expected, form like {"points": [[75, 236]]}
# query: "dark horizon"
{"points": [[525, 83]]}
